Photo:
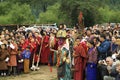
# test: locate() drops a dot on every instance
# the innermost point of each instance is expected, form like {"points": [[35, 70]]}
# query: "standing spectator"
{"points": [[45, 49], [103, 48], [52, 43], [79, 60], [26, 56], [91, 69], [19, 61], [114, 48], [3, 58], [13, 57], [32, 45]]}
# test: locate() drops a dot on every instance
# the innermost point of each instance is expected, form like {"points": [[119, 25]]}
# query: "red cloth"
{"points": [[32, 46], [84, 45], [26, 43], [45, 50], [80, 62], [38, 42]]}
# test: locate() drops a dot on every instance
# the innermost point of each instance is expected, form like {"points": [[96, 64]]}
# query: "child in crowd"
{"points": [[26, 56], [19, 61]]}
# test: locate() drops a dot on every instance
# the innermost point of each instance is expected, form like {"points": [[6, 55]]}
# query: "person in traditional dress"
{"points": [[19, 61], [79, 60], [61, 32], [91, 69], [26, 56], [32, 45], [63, 63], [3, 60], [13, 57], [52, 43], [23, 44], [67, 61], [38, 39], [45, 49]]}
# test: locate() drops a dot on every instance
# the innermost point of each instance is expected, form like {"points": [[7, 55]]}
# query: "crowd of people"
{"points": [[92, 54]]}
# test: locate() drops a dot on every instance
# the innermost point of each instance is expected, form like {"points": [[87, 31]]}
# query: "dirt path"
{"points": [[42, 74]]}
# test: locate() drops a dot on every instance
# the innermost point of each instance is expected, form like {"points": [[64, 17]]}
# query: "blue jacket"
{"points": [[26, 54], [114, 47], [103, 49]]}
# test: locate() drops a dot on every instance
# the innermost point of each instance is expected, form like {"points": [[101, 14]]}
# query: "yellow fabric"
{"points": [[26, 65], [61, 33]]}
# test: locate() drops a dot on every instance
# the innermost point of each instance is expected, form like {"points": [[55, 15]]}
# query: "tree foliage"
{"points": [[59, 11], [15, 14]]}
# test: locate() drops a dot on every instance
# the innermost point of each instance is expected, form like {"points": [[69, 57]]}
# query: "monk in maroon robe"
{"points": [[45, 49], [38, 45], [79, 61], [32, 45]]}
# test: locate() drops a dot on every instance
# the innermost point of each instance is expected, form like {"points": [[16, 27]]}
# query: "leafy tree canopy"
{"points": [[59, 11]]}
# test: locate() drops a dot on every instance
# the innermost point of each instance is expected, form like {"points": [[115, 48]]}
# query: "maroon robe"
{"points": [[45, 50], [37, 49], [38, 42], [25, 44], [79, 62], [32, 47]]}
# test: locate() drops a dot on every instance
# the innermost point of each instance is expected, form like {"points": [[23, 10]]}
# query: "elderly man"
{"points": [[110, 65], [106, 69]]}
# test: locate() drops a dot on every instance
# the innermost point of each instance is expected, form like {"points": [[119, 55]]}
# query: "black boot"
{"points": [[14, 70], [9, 70]]}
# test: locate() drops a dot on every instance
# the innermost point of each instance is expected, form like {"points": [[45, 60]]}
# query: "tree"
{"points": [[60, 11], [73, 7], [51, 15], [16, 14], [94, 11], [22, 14]]}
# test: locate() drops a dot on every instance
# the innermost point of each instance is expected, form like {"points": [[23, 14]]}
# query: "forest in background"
{"points": [[59, 11]]}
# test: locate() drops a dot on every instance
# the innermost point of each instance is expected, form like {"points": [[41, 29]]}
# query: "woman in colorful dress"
{"points": [[91, 69]]}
